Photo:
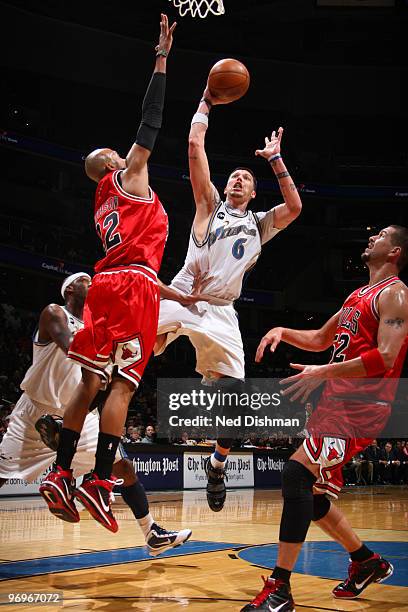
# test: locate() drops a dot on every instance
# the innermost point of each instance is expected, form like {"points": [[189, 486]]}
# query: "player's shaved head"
{"points": [[101, 161]]}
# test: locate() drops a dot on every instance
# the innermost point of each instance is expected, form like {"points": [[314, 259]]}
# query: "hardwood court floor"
{"points": [[219, 569]]}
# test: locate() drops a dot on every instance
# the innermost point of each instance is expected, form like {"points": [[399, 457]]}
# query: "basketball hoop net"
{"points": [[199, 8]]}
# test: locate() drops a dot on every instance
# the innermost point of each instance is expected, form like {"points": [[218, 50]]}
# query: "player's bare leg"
{"points": [[337, 527], [82, 398], [114, 412]]}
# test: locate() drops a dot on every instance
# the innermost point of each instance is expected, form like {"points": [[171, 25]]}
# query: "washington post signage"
{"points": [[158, 471]]}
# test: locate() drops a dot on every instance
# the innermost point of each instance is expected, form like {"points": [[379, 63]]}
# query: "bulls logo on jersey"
{"points": [[127, 353], [333, 452]]}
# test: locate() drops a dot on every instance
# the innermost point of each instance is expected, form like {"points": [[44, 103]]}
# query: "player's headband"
{"points": [[71, 279]]}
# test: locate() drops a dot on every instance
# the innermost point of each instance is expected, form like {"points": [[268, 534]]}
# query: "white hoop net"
{"points": [[199, 8]]}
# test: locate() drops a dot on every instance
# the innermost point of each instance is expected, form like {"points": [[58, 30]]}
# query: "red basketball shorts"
{"points": [[120, 322], [339, 429], [332, 454]]}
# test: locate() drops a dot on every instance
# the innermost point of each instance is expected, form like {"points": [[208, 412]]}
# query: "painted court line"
{"points": [[70, 562]]}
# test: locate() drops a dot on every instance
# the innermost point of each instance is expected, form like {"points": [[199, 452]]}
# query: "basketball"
{"points": [[228, 80]]}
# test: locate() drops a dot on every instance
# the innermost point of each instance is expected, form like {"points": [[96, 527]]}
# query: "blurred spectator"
{"points": [[404, 463], [358, 464], [135, 436], [389, 464], [372, 455], [185, 440], [149, 436]]}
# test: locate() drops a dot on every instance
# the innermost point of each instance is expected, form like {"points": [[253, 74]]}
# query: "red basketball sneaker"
{"points": [[96, 495], [57, 489], [361, 574], [275, 595]]}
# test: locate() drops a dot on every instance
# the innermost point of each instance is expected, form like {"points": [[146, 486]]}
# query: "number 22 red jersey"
{"points": [[133, 230], [356, 333]]}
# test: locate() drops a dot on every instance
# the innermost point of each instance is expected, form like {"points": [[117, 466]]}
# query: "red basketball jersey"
{"points": [[133, 230], [356, 333]]}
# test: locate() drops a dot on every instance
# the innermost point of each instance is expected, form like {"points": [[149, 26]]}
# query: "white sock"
{"points": [[216, 463], [145, 524]]}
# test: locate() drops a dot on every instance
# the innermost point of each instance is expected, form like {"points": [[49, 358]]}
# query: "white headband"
{"points": [[71, 279]]}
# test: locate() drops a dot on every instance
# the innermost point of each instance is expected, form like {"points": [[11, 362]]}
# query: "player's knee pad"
{"points": [[297, 486], [297, 481], [321, 506]]}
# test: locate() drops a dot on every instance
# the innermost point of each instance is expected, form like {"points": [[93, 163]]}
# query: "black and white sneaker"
{"points": [[361, 574], [159, 540], [216, 490]]}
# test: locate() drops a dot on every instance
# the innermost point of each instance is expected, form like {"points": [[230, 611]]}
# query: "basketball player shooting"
{"points": [[225, 242], [122, 306], [369, 340]]}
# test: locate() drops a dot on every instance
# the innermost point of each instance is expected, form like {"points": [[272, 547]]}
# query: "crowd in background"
{"points": [[383, 463]]}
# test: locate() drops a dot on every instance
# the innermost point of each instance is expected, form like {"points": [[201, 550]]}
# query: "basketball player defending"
{"points": [[48, 386], [122, 306], [225, 242], [369, 339]]}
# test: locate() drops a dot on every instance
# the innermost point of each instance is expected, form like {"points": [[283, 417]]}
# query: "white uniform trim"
{"points": [[130, 196], [152, 280]]}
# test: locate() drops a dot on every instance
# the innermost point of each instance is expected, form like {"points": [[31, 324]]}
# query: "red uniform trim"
{"points": [[315, 453]]}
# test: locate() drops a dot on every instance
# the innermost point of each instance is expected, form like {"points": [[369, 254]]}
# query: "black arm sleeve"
{"points": [[152, 111]]}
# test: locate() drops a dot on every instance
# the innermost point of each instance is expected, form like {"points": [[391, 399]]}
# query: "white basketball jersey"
{"points": [[230, 248], [52, 377]]}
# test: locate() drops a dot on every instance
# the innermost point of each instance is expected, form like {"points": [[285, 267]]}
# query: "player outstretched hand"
{"points": [[195, 295], [273, 337], [166, 34], [301, 385], [272, 145]]}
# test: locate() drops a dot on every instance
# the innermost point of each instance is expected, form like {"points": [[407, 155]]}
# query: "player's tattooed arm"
{"points": [[393, 327], [287, 212], [53, 327]]}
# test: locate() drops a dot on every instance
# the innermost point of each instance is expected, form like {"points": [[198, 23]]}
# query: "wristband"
{"points": [[274, 157], [161, 52], [207, 102], [200, 118], [373, 363]]}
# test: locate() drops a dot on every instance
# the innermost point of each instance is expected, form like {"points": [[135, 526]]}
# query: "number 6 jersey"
{"points": [[133, 230], [230, 248]]}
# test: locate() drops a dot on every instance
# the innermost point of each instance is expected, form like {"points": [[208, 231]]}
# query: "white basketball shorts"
{"points": [[212, 330]]}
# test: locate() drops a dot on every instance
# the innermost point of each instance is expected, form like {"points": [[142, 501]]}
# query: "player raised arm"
{"points": [[392, 333], [53, 327], [135, 176], [307, 339], [283, 214], [205, 194]]}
